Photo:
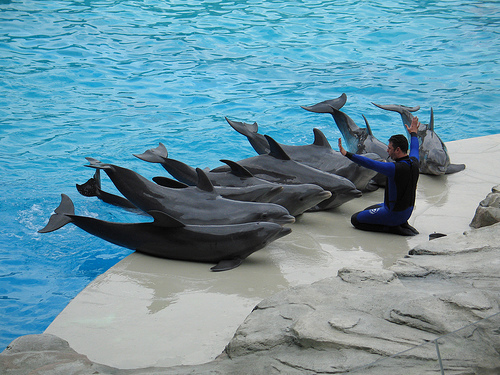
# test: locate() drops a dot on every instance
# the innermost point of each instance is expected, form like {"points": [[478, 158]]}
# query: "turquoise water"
{"points": [[110, 78]]}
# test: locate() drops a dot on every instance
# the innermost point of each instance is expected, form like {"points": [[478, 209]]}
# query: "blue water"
{"points": [[110, 78]]}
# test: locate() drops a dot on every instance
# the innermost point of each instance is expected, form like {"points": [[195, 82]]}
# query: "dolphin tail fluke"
{"points": [[404, 111], [226, 265], [154, 155], [92, 186], [325, 106], [243, 128], [60, 218], [258, 141], [397, 108]]}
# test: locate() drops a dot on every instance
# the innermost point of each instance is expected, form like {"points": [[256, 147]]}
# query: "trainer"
{"points": [[402, 176]]}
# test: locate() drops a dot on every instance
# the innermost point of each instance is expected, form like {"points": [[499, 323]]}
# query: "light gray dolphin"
{"points": [[255, 193], [194, 206], [434, 158], [319, 155], [167, 237], [358, 140], [259, 141], [278, 167], [295, 198]]}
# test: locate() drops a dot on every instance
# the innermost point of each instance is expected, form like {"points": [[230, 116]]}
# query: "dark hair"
{"points": [[399, 140]]}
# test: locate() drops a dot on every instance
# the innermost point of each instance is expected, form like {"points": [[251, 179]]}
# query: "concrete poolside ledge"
{"points": [[122, 315]]}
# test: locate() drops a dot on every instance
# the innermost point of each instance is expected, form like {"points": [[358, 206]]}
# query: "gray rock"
{"points": [[488, 211], [363, 321]]}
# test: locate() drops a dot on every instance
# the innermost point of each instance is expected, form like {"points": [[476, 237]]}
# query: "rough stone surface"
{"points": [[346, 323], [488, 211]]}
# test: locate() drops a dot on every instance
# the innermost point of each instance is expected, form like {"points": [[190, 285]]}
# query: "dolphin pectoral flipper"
{"points": [[154, 155], [60, 218], [226, 265], [454, 168], [325, 106], [168, 182], [161, 219]]}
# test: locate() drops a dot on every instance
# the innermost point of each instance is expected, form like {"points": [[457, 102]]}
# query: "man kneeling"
{"points": [[400, 191]]}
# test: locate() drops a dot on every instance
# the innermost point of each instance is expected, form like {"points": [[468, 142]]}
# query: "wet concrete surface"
{"points": [[146, 311]]}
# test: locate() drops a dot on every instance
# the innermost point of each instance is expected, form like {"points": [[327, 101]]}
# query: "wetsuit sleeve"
{"points": [[385, 168], [414, 146]]}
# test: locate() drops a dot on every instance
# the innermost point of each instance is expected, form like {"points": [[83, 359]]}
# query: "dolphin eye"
{"points": [[264, 215]]}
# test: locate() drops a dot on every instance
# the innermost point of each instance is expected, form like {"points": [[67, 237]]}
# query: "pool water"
{"points": [[107, 79]]}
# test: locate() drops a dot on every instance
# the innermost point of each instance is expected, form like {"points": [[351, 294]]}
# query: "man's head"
{"points": [[398, 146]]}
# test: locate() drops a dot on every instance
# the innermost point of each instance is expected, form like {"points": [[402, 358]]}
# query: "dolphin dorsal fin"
{"points": [[276, 150], [204, 182], [237, 169], [320, 139], [368, 129], [431, 121], [161, 219]]}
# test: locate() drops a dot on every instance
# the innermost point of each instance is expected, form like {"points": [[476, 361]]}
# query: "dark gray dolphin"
{"points": [[434, 158], [92, 188], [278, 167], [201, 205], [295, 198], [319, 155], [167, 237], [259, 141]]}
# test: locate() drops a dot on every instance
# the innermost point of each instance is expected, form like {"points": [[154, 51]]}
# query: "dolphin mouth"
{"points": [[284, 231], [285, 219]]}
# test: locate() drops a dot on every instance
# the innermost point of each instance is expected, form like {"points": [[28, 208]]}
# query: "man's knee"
{"points": [[354, 220]]}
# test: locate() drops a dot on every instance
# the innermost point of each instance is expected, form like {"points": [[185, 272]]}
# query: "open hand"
{"points": [[341, 149], [415, 124]]}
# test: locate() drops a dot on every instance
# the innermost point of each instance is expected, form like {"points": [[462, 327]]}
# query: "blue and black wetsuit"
{"points": [[399, 200]]}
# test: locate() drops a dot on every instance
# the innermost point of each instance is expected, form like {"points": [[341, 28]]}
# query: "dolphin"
{"points": [[434, 158], [319, 155], [259, 141], [278, 167], [255, 193], [295, 198], [167, 237], [358, 140], [201, 205], [92, 188]]}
